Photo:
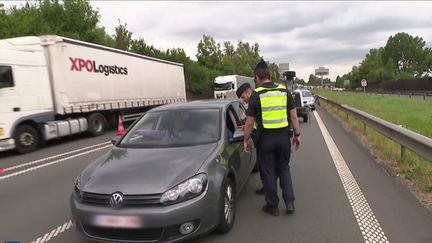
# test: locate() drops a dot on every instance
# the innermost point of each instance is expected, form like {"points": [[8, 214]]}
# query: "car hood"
{"points": [[144, 170]]}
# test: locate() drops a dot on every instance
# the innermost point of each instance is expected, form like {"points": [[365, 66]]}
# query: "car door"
{"points": [[243, 161], [240, 112]]}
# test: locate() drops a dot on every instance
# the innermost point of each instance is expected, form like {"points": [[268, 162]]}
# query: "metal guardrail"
{"points": [[425, 95], [413, 141]]}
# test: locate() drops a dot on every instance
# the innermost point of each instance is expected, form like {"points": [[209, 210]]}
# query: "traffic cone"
{"points": [[120, 127]]}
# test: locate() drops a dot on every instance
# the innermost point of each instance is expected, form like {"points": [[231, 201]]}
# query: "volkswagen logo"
{"points": [[116, 200]]}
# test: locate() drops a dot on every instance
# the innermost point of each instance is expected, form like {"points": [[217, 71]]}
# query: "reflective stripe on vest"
{"points": [[273, 107]]}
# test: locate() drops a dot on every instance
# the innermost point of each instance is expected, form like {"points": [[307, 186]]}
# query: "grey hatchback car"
{"points": [[174, 175]]}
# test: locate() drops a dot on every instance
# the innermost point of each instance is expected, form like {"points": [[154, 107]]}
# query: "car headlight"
{"points": [[185, 190], [77, 183]]}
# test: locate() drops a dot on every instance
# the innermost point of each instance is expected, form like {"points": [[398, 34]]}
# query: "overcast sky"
{"points": [[336, 35]]}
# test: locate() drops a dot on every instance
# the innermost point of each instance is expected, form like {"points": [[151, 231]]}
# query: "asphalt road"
{"points": [[366, 202]]}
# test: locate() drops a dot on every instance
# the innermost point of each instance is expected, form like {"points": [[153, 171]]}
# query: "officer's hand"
{"points": [[246, 146], [296, 142]]}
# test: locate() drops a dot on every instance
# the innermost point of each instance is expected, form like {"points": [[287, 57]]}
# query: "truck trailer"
{"points": [[51, 87]]}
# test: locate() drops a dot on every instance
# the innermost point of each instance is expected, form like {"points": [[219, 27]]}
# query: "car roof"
{"points": [[197, 104]]}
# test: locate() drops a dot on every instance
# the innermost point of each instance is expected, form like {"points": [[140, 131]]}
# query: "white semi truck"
{"points": [[225, 86], [52, 87]]}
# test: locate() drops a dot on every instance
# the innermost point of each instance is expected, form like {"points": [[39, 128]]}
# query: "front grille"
{"points": [[156, 234], [128, 200], [124, 234], [172, 232]]}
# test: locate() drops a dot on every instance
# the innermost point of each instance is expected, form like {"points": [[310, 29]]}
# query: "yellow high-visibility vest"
{"points": [[273, 107]]}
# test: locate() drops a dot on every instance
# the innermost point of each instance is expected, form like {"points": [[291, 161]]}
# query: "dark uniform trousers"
{"points": [[255, 139], [274, 157]]}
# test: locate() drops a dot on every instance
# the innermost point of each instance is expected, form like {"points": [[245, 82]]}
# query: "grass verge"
{"points": [[413, 114], [413, 170]]}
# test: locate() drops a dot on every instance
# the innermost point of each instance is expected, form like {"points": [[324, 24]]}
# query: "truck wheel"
{"points": [[26, 139], [305, 118], [96, 124]]}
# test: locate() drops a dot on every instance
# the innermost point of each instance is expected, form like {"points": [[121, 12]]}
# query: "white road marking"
{"points": [[368, 224], [53, 233], [64, 227], [38, 240], [53, 157], [50, 235], [52, 163], [45, 236], [57, 231]]}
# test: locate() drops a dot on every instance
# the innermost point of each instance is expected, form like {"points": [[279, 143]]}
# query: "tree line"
{"points": [[77, 19], [403, 57]]}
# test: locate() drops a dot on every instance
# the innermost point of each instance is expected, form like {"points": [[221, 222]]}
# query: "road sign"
{"points": [[322, 71], [283, 67], [363, 82]]}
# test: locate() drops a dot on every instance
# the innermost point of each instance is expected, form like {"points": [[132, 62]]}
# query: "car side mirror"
{"points": [[115, 140], [237, 137]]}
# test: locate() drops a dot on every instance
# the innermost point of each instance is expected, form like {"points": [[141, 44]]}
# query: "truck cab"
{"points": [[25, 94], [225, 86]]}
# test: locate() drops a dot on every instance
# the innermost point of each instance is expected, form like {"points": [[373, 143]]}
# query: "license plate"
{"points": [[2, 133], [114, 221]]}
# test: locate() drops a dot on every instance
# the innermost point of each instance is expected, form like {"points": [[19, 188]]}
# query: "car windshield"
{"points": [[224, 86], [174, 128], [306, 93]]}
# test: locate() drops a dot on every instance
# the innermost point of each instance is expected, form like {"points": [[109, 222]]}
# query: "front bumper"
{"points": [[159, 223], [220, 96], [7, 144]]}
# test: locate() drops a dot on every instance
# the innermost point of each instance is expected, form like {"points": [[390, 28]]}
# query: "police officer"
{"points": [[271, 106], [244, 93]]}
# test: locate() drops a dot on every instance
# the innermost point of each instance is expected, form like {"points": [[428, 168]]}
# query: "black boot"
{"points": [[260, 191], [272, 210]]}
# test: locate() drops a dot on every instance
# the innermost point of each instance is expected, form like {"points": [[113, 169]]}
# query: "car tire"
{"points": [[305, 118], [27, 139], [227, 207], [96, 124]]}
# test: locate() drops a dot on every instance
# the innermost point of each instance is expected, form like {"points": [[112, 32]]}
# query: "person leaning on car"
{"points": [[244, 92], [271, 106]]}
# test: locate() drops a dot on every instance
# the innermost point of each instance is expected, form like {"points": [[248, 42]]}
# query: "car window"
{"points": [[240, 113], [230, 124], [173, 128], [306, 93]]}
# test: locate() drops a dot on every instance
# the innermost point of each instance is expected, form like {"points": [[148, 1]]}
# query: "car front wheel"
{"points": [[227, 207]]}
